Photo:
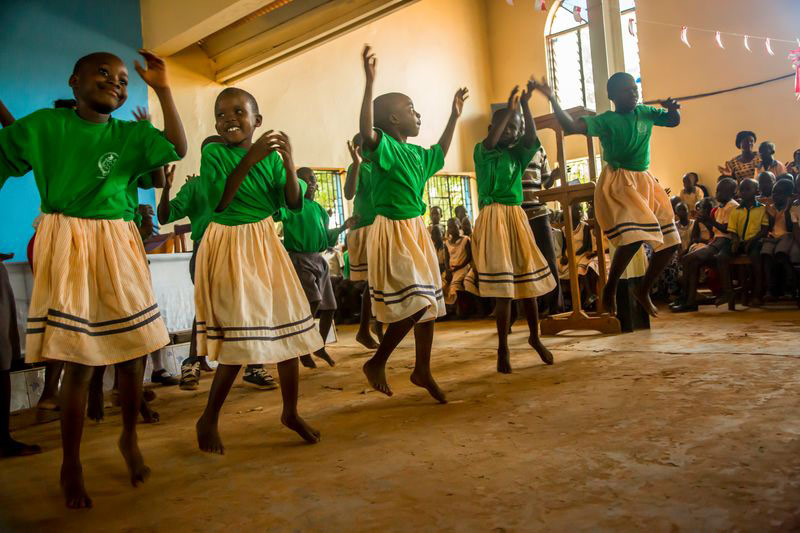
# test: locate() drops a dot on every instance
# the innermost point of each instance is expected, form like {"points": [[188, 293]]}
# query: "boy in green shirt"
{"points": [[404, 277], [630, 204], [358, 187], [508, 263], [249, 304], [305, 237], [104, 311]]}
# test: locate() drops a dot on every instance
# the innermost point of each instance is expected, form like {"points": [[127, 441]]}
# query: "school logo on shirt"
{"points": [[106, 163], [641, 127]]}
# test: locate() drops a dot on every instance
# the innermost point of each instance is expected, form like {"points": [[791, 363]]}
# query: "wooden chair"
{"points": [[566, 195]]}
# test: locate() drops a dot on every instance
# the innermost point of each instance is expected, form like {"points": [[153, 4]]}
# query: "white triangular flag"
{"points": [[685, 36], [769, 47], [718, 38], [747, 43]]}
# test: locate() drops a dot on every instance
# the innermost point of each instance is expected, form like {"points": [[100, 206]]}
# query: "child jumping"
{"points": [[508, 264], [305, 237], [92, 301], [249, 304], [404, 278], [631, 206]]}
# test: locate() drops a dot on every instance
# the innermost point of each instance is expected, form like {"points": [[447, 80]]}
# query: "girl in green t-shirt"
{"points": [[92, 302], [249, 304], [508, 263], [403, 273], [630, 204]]}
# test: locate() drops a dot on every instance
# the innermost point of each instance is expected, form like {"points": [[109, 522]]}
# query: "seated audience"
{"points": [[779, 250], [768, 162], [766, 181], [793, 167], [691, 193], [743, 165]]}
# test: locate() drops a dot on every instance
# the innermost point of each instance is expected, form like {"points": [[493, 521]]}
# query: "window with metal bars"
{"points": [[569, 52], [330, 196], [448, 191]]}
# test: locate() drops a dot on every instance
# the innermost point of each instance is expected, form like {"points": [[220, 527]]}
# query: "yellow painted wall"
{"points": [[426, 50]]}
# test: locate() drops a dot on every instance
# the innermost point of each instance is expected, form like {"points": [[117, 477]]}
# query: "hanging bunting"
{"points": [[510, 2], [768, 43], [576, 14], [718, 38], [747, 43], [685, 36], [631, 27], [543, 5], [794, 56]]}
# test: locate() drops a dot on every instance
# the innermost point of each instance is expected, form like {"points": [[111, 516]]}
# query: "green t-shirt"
{"points": [[260, 195], [346, 268], [306, 231], [399, 173], [82, 169], [499, 172], [626, 137], [363, 207], [145, 181], [192, 202]]}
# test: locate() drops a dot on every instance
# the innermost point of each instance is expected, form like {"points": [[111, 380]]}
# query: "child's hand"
{"points": [[156, 73], [169, 175], [351, 222], [458, 101], [283, 147], [513, 98], [526, 94], [670, 104], [370, 61], [564, 260], [262, 147], [141, 114], [542, 87], [354, 151], [190, 177]]}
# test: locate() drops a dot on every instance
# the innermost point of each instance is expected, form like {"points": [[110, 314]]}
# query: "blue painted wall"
{"points": [[40, 41]]}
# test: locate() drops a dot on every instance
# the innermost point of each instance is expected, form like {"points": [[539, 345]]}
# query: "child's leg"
{"points": [[363, 336], [421, 376], [52, 375], [691, 272], [130, 375], [375, 368], [724, 269], [73, 407], [289, 374], [532, 313], [160, 374], [622, 257], [207, 425], [657, 265], [325, 323], [758, 275], [8, 446], [96, 408], [306, 359], [502, 314]]}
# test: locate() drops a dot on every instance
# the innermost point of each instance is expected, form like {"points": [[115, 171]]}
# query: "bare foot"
{"points": [[377, 329], [647, 304], [543, 352], [366, 340], [426, 381], [48, 404], [307, 361], [610, 299], [94, 406], [323, 354], [149, 394], [298, 425], [503, 361], [208, 437], [376, 375], [129, 447], [75, 495], [13, 448], [148, 415]]}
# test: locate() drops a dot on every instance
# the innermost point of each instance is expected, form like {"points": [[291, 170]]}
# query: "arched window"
{"points": [[569, 53]]}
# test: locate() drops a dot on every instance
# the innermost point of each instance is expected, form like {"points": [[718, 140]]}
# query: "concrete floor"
{"points": [[693, 425]]}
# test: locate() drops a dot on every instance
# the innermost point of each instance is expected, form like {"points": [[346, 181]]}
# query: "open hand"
{"points": [[526, 94], [458, 100], [190, 177], [169, 175], [262, 147], [354, 151], [284, 147], [513, 98], [542, 86], [351, 222], [370, 62], [155, 75], [141, 114], [670, 104]]}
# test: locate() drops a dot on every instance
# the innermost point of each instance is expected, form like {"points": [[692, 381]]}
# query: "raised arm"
{"points": [[293, 192], [334, 233], [673, 112], [155, 75], [496, 130], [351, 181], [369, 137], [6, 118], [569, 125], [530, 125], [265, 145], [163, 202], [458, 106]]}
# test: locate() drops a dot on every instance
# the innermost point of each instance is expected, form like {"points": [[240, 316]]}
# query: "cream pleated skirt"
{"points": [[357, 250], [632, 207], [404, 275], [249, 303], [508, 264], [92, 300]]}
